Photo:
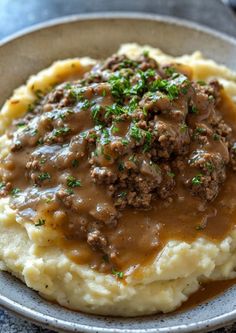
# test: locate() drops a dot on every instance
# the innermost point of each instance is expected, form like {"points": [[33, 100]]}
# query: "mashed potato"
{"points": [[30, 253]]}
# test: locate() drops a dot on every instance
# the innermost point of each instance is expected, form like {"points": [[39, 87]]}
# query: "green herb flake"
{"points": [[62, 131], [40, 141], [49, 200], [44, 176], [216, 137], [75, 163], [40, 222], [197, 180], [42, 161], [171, 174], [183, 128], [193, 109], [136, 133], [95, 111], [201, 82], [15, 191], [200, 130], [121, 166], [124, 142], [148, 140], [104, 93], [118, 274], [85, 105], [122, 194], [73, 182], [67, 86], [21, 124], [169, 71], [146, 53], [69, 191], [114, 129], [2, 185], [209, 166]]}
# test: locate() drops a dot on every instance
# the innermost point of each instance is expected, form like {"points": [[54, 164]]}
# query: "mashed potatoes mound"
{"points": [[27, 251]]}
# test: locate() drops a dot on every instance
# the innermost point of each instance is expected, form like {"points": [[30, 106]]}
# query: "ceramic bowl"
{"points": [[99, 36]]}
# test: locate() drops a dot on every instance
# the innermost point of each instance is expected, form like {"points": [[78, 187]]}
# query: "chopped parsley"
{"points": [[216, 137], [73, 182], [124, 142], [169, 87], [62, 131], [21, 124], [121, 166], [169, 71], [44, 176], [122, 194], [209, 166], [200, 130], [146, 53], [183, 128], [40, 222], [171, 174], [136, 132], [201, 82], [75, 163], [148, 141], [15, 191], [192, 109], [197, 180], [118, 274], [69, 191]]}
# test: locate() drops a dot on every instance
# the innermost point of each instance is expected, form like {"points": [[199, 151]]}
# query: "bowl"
{"points": [[98, 36]]}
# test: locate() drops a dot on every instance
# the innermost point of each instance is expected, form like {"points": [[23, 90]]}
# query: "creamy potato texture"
{"points": [[34, 254]]}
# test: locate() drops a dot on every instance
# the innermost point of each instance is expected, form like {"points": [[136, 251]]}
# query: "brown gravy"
{"points": [[50, 164], [206, 292]]}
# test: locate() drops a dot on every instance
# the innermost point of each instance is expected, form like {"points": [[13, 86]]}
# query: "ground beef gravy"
{"points": [[123, 160]]}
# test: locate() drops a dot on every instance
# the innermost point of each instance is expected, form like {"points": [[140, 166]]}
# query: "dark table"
{"points": [[19, 14]]}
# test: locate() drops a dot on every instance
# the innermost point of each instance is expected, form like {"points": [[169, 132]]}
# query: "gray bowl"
{"points": [[99, 36]]}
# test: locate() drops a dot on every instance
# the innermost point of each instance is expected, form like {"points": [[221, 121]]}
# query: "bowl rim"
{"points": [[48, 321]]}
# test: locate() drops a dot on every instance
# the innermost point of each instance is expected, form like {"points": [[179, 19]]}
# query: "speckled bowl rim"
{"points": [[65, 326]]}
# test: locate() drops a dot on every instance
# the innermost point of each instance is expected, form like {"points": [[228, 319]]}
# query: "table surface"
{"points": [[18, 14]]}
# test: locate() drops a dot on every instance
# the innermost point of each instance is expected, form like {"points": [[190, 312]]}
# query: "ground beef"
{"points": [[127, 135]]}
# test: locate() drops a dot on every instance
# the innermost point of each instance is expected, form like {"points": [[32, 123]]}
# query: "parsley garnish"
{"points": [[15, 191], [44, 176], [209, 166], [216, 137], [75, 163], [69, 191], [171, 174], [119, 275], [197, 180], [40, 222], [201, 83], [136, 133], [73, 182], [192, 109], [183, 128], [61, 131]]}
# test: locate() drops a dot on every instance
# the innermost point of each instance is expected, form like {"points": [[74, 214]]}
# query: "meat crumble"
{"points": [[127, 137]]}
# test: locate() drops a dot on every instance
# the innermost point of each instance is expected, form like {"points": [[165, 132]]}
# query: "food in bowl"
{"points": [[118, 183]]}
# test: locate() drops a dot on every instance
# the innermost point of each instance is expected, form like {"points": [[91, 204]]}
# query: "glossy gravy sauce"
{"points": [[140, 234]]}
